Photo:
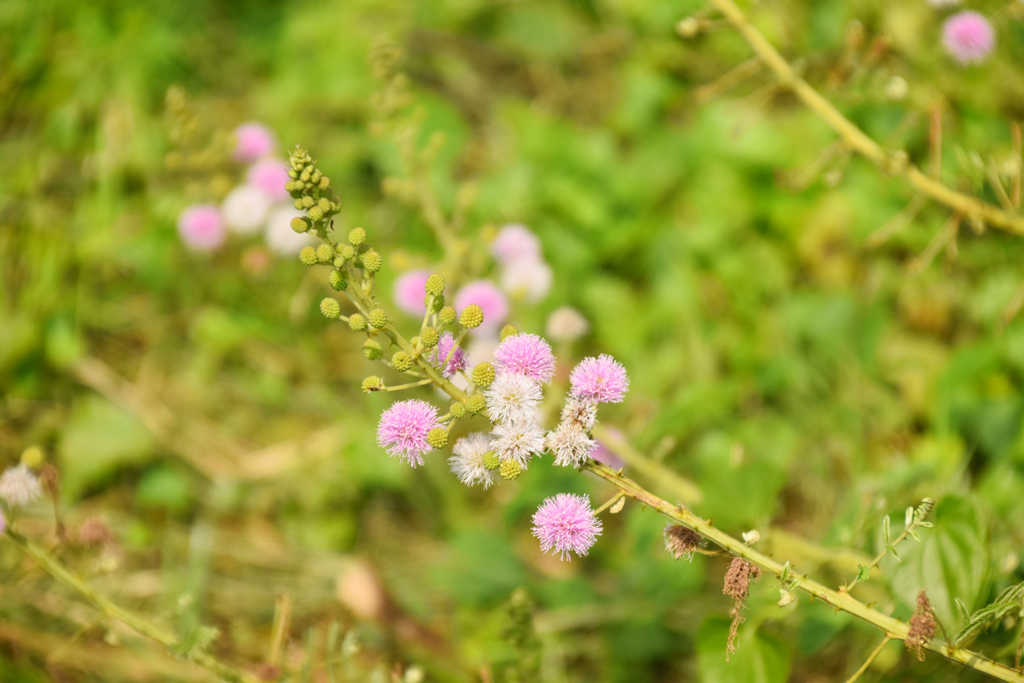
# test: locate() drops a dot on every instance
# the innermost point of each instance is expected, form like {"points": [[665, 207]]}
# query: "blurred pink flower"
{"points": [[270, 175], [254, 140], [410, 293], [489, 298], [603, 455], [201, 227], [516, 243], [968, 37]]}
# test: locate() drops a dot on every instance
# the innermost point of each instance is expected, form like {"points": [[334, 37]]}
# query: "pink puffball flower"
{"points": [[244, 209], [566, 523], [968, 37], [201, 227], [527, 355], [254, 140], [516, 243], [487, 297], [458, 358], [410, 293], [280, 237], [599, 380], [269, 175], [403, 429]]}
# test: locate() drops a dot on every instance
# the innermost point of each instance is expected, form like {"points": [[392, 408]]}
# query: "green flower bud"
{"points": [[436, 303], [472, 316], [510, 469], [457, 410], [324, 184], [316, 176], [491, 461], [300, 224], [401, 361], [324, 204], [307, 202], [357, 322], [293, 174], [324, 253], [483, 375], [315, 213], [372, 349], [447, 315], [415, 341], [476, 404], [298, 204], [330, 308], [438, 437], [338, 262], [33, 457], [307, 256], [378, 319], [429, 337], [435, 284], [371, 261], [347, 253], [508, 331], [305, 175], [372, 383], [337, 281], [356, 237]]}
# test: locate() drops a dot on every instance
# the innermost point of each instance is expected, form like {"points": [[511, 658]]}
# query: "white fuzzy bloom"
{"points": [[467, 461], [527, 279], [513, 398], [244, 209], [943, 3], [518, 441], [570, 444], [281, 239], [580, 412], [566, 324], [19, 486]]}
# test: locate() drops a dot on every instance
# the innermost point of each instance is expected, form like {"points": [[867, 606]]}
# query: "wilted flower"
{"points": [[403, 429], [513, 398], [270, 176], [570, 444], [566, 523], [280, 237], [518, 441], [601, 379], [254, 140], [968, 37], [487, 297], [582, 413], [516, 243], [525, 354], [458, 358], [680, 541], [201, 227], [467, 461], [566, 324], [244, 209], [409, 293], [19, 486]]}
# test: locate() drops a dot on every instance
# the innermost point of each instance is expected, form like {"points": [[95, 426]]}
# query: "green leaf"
{"points": [[758, 658], [1009, 602], [863, 573], [950, 562]]}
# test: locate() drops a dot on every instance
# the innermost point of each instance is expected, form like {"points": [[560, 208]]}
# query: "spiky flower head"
{"points": [[968, 37], [458, 410], [527, 355], [325, 253], [518, 441], [476, 403], [401, 361], [566, 524], [437, 437], [19, 486], [601, 380], [507, 331], [378, 318], [372, 261], [493, 304], [434, 286], [372, 383], [570, 444], [446, 349], [483, 374], [513, 398], [337, 281], [356, 236], [330, 308], [429, 337], [372, 349], [408, 291], [566, 324], [357, 322], [446, 316], [509, 469], [467, 461], [307, 256], [472, 316], [404, 427]]}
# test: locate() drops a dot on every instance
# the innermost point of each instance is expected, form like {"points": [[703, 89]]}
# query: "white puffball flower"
{"points": [[527, 279], [244, 209], [566, 324], [281, 239]]}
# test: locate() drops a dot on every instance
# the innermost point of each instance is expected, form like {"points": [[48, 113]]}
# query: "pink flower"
{"points": [[201, 227], [409, 292], [458, 358], [603, 455], [968, 37], [489, 298], [254, 141], [601, 380], [516, 243], [527, 355], [566, 523], [403, 430], [270, 175]]}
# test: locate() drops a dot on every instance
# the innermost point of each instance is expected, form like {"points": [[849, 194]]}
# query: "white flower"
{"points": [[280, 237], [570, 444], [467, 463], [580, 412], [566, 324], [19, 486], [518, 441], [527, 279], [513, 398], [244, 209]]}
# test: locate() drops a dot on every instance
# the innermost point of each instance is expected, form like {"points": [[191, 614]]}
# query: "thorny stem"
{"points": [[112, 611], [871, 658], [896, 163], [874, 563]]}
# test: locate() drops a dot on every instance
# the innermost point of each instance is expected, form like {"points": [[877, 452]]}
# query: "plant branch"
{"points": [[895, 163], [871, 658]]}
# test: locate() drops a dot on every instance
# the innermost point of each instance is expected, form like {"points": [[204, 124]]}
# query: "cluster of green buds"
{"points": [[311, 190]]}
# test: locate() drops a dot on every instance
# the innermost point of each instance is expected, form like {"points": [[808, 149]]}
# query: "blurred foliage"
{"points": [[807, 383]]}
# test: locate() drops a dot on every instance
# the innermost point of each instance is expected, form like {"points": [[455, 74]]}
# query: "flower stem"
{"points": [[871, 658]]}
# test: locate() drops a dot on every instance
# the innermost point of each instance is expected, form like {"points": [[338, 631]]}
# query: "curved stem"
{"points": [[871, 658], [857, 140]]}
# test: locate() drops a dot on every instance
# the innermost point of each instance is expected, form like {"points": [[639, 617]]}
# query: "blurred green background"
{"points": [[715, 238]]}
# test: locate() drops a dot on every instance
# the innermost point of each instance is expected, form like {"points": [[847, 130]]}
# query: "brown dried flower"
{"points": [[922, 627], [681, 541], [737, 585], [95, 532]]}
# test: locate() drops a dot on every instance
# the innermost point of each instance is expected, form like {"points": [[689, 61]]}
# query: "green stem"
{"points": [[871, 658], [112, 611]]}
